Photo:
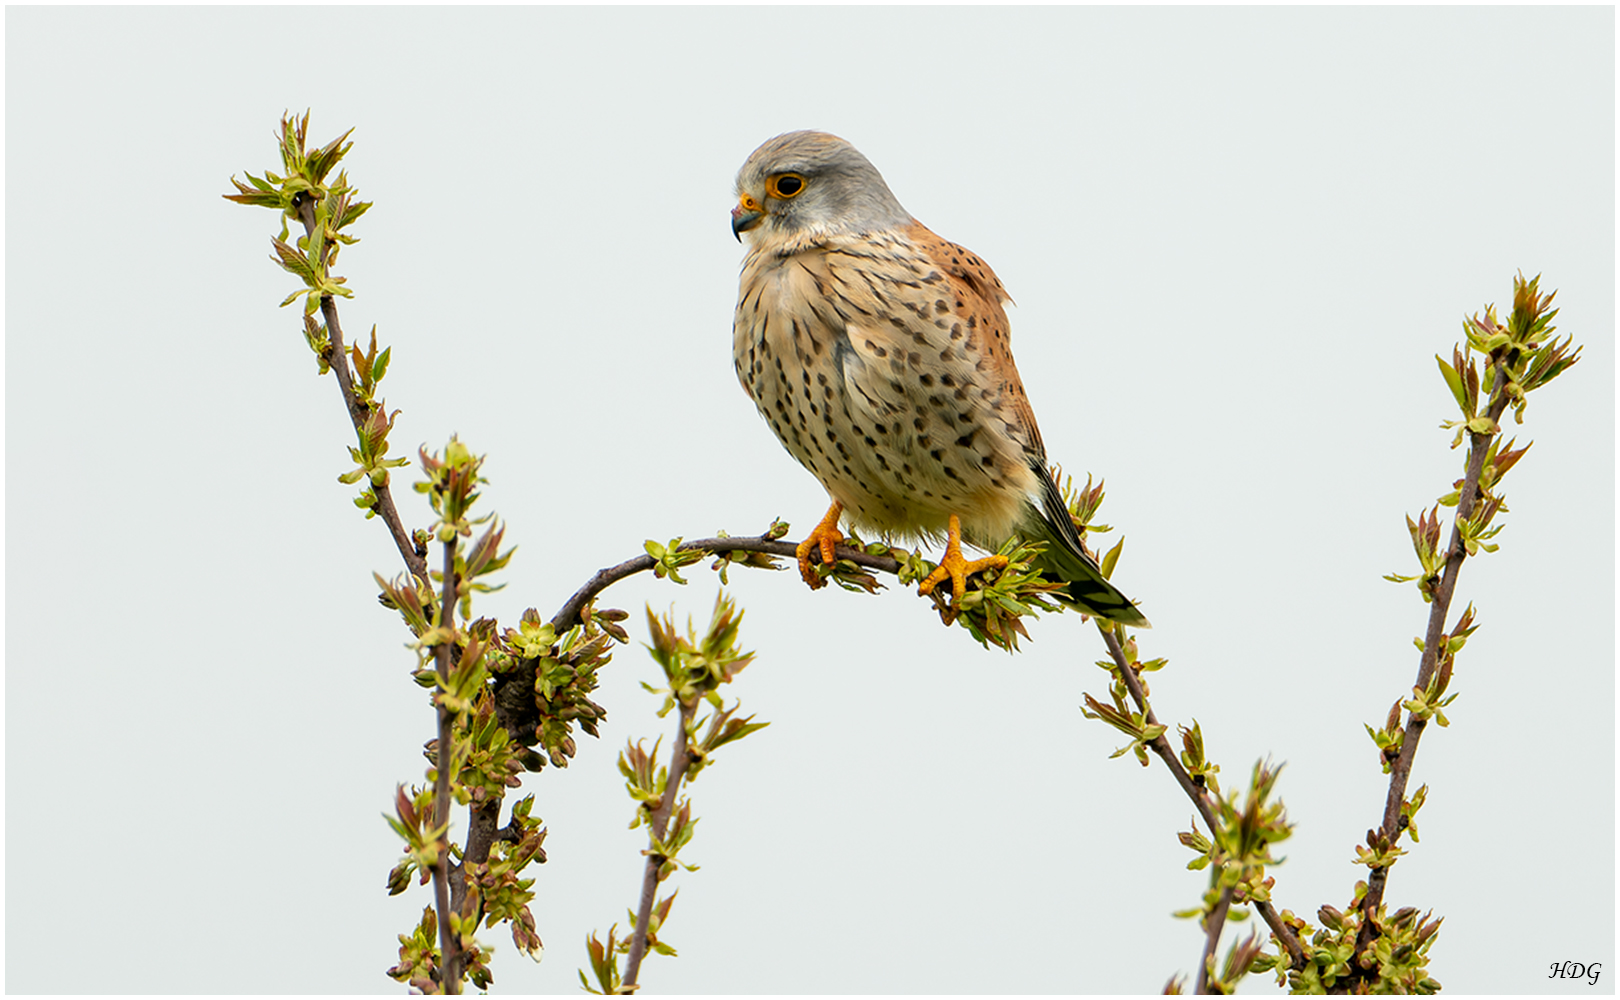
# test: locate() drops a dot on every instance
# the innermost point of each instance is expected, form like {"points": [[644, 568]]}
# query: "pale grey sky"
{"points": [[1237, 238]]}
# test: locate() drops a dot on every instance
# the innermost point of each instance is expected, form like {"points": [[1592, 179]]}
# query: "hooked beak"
{"points": [[748, 214]]}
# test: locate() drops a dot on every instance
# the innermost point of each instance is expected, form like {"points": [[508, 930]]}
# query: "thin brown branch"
{"points": [[568, 616], [660, 823], [1401, 772], [1283, 933], [449, 948], [1200, 798], [483, 830], [416, 563], [338, 361], [1213, 925], [1159, 744]]}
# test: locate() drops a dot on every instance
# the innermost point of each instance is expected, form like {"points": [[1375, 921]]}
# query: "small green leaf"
{"points": [[1112, 559]]}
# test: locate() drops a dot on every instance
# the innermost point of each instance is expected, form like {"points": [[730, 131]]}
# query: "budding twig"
{"points": [[1212, 937], [1159, 744], [449, 945], [659, 826], [415, 562], [568, 616], [1200, 799], [1399, 774]]}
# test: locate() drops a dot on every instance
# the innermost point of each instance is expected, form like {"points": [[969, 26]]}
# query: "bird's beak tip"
{"points": [[744, 218]]}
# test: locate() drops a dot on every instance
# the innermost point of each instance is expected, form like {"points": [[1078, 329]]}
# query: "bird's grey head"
{"points": [[811, 184]]}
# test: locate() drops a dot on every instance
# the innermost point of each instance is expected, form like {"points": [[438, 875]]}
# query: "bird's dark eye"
{"points": [[784, 185]]}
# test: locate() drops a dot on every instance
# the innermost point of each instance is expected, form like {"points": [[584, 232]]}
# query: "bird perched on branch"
{"points": [[879, 354]]}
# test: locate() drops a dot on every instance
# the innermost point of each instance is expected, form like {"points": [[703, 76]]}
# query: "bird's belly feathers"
{"points": [[901, 425]]}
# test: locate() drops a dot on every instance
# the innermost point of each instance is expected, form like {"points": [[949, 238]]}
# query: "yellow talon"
{"points": [[952, 565], [822, 537]]}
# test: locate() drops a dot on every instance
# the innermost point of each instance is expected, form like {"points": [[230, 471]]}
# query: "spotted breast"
{"points": [[883, 366]]}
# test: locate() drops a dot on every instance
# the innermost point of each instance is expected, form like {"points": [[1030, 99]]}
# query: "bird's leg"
{"points": [[823, 537], [952, 565]]}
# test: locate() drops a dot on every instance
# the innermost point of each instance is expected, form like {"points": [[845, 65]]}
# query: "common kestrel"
{"points": [[879, 354]]}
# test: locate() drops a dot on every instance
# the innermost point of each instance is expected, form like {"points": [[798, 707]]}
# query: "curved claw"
{"points": [[822, 538], [956, 568]]}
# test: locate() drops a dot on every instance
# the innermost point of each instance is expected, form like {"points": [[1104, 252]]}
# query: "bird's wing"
{"points": [[979, 297]]}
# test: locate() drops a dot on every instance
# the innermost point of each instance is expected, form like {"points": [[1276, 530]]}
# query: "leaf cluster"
{"points": [[1514, 359], [1127, 718], [1237, 856], [694, 667], [302, 185], [1397, 961]]}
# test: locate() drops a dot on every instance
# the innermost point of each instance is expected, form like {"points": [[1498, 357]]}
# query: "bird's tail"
{"points": [[1064, 559]]}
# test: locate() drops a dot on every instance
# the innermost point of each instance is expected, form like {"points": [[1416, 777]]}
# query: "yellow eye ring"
{"points": [[785, 186]]}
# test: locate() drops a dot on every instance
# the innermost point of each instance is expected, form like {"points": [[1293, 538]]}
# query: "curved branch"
{"points": [[568, 616]]}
